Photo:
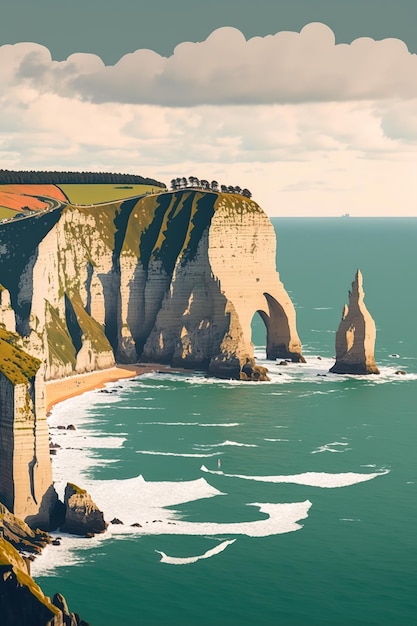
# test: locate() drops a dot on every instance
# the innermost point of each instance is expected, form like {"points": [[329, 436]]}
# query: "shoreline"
{"points": [[71, 386]]}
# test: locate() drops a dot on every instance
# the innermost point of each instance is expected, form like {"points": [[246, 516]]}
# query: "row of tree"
{"points": [[192, 182], [33, 177]]}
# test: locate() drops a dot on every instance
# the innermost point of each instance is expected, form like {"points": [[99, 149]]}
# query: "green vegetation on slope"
{"points": [[6, 213], [235, 204], [16, 364], [60, 347], [91, 329], [101, 222], [10, 556], [178, 222]]}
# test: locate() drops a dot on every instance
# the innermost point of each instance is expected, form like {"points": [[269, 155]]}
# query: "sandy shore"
{"points": [[58, 390]]}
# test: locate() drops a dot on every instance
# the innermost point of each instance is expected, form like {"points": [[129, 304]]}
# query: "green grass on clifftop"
{"points": [[16, 364], [94, 194]]}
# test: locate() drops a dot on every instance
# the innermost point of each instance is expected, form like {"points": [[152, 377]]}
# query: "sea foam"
{"points": [[334, 446], [311, 479], [175, 560], [226, 443], [183, 454]]}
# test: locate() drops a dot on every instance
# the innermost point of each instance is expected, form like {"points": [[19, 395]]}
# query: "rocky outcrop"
{"points": [[26, 486], [7, 316], [22, 601], [355, 337], [82, 516], [20, 535]]}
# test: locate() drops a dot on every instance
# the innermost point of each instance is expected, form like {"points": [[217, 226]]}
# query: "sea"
{"points": [[290, 503]]}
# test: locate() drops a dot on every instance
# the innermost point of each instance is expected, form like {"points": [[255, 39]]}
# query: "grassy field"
{"points": [[6, 213], [94, 194]]}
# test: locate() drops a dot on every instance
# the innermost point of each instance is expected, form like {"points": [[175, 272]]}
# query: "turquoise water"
{"points": [[329, 460]]}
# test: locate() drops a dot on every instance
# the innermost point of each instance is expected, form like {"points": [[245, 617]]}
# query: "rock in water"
{"points": [[355, 337], [82, 515]]}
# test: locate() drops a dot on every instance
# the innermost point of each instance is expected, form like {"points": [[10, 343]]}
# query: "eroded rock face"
{"points": [[174, 278], [355, 337], [82, 516], [22, 601], [218, 282], [26, 486], [20, 535]]}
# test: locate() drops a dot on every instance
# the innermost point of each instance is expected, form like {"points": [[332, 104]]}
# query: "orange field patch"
{"points": [[19, 197]]}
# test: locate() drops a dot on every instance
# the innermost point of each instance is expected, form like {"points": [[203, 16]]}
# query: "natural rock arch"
{"points": [[280, 329]]}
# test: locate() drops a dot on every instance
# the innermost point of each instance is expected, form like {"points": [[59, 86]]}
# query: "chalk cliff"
{"points": [[172, 277], [205, 265], [26, 486], [355, 337]]}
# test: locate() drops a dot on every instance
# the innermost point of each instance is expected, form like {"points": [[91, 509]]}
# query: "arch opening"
{"points": [[278, 342]]}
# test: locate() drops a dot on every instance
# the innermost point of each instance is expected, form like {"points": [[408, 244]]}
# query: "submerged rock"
{"points": [[82, 516], [355, 337]]}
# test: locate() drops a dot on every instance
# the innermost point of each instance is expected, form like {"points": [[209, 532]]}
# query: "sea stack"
{"points": [[355, 337], [82, 516]]}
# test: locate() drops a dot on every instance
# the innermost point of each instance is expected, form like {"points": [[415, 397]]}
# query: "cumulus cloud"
{"points": [[309, 126], [288, 67]]}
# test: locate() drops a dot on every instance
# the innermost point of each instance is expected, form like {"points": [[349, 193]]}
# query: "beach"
{"points": [[64, 388]]}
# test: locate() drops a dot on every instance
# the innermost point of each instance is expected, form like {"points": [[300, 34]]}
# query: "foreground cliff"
{"points": [[26, 486], [174, 278], [22, 601]]}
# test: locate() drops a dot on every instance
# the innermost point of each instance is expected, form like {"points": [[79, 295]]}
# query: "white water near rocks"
{"points": [[327, 538]]}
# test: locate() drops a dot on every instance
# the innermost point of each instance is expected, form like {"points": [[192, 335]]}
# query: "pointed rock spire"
{"points": [[355, 337]]}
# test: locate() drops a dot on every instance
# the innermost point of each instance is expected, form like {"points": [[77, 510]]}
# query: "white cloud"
{"points": [[318, 128], [226, 68]]}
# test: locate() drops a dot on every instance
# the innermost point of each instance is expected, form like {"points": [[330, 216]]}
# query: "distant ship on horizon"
{"points": [[346, 215]]}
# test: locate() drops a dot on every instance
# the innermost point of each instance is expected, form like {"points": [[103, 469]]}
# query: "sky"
{"points": [[311, 104]]}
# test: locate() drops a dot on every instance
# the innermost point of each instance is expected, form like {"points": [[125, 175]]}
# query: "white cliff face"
{"points": [[7, 315], [174, 278], [355, 337], [26, 485], [192, 320], [242, 249], [205, 316], [72, 262]]}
